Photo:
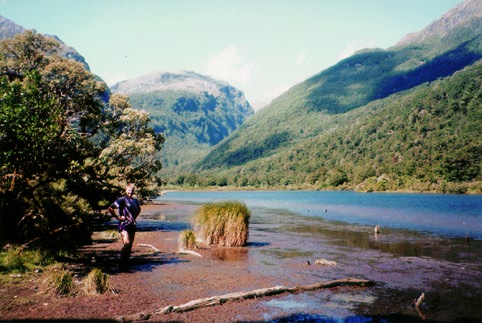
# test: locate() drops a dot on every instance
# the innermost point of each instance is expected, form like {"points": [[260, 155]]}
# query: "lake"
{"points": [[438, 214], [422, 248]]}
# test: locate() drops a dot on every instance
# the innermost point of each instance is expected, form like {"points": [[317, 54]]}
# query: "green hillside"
{"points": [[426, 139], [306, 109], [404, 118], [194, 112]]}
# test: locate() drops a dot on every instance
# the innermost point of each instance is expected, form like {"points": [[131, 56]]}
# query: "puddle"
{"points": [[230, 254], [285, 304]]}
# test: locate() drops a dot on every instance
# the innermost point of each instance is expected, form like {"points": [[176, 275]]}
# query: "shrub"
{"points": [[223, 223], [96, 282], [187, 240]]}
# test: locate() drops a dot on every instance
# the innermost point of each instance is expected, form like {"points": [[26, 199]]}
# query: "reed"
{"points": [[223, 223], [187, 240]]}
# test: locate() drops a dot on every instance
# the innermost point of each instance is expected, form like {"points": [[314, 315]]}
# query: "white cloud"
{"points": [[229, 66], [300, 59], [354, 46], [113, 78], [264, 98]]}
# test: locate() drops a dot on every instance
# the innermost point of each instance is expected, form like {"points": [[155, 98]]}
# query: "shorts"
{"points": [[127, 226]]}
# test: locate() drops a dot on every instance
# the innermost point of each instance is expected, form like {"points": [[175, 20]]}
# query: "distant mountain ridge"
{"points": [[193, 111], [175, 80]]}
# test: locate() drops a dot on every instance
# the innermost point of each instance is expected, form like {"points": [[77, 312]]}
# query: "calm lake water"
{"points": [[437, 214]]}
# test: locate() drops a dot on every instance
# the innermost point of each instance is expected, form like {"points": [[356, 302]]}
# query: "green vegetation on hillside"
{"points": [[426, 139], [306, 110], [191, 121]]}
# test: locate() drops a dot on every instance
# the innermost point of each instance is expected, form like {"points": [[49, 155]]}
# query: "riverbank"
{"points": [[282, 250]]}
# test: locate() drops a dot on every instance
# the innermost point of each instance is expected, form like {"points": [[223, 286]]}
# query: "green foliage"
{"points": [[223, 223], [18, 259], [64, 149]]}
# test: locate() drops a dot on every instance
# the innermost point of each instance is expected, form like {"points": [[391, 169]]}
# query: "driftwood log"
{"points": [[258, 293], [148, 246]]}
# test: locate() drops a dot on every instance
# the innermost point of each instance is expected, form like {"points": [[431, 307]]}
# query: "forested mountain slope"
{"points": [[193, 111], [407, 117], [426, 139], [308, 108]]}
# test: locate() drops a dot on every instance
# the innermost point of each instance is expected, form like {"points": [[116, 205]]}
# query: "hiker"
{"points": [[129, 208]]}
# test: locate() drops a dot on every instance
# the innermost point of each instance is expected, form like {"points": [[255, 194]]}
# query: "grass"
{"points": [[60, 281], [223, 223], [18, 259], [187, 240], [57, 279], [96, 282]]}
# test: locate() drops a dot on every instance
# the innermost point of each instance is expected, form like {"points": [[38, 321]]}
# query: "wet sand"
{"points": [[402, 264]]}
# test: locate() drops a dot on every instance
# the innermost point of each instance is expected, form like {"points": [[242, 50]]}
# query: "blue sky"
{"points": [[262, 47]]}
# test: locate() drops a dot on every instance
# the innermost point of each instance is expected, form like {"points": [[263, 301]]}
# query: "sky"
{"points": [[262, 47]]}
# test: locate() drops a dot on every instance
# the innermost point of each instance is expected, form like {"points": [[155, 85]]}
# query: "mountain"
{"points": [[8, 29], [193, 111], [345, 95], [458, 16]]}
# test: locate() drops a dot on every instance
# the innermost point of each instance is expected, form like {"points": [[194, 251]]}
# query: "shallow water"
{"points": [[440, 214], [403, 261]]}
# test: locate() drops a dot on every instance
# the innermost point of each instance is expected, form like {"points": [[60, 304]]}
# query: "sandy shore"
{"points": [[282, 250]]}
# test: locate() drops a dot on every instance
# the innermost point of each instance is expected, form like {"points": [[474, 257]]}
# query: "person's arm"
{"points": [[111, 210]]}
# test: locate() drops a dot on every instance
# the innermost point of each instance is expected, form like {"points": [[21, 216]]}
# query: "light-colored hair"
{"points": [[131, 185]]}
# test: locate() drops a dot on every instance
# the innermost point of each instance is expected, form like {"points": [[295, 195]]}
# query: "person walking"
{"points": [[129, 208]]}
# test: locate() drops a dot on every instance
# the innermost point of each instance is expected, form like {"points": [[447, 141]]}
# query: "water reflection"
{"points": [[230, 254], [398, 243]]}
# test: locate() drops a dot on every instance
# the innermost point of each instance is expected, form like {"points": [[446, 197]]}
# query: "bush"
{"points": [[187, 240], [96, 282], [223, 223]]}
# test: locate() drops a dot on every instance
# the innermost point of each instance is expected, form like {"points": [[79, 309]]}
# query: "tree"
{"points": [[132, 153], [65, 148]]}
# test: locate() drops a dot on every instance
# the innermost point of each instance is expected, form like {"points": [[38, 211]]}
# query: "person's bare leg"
{"points": [[127, 240]]}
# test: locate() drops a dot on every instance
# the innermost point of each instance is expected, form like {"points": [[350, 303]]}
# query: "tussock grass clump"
{"points": [[60, 282], [187, 240], [223, 223], [96, 282]]}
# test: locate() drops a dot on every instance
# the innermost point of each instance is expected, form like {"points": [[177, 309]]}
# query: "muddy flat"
{"points": [[283, 250]]}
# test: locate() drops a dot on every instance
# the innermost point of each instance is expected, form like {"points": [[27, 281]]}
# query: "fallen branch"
{"points": [[191, 252], [258, 293], [149, 246]]}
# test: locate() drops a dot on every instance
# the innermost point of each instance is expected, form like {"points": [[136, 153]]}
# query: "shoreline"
{"points": [[402, 266]]}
